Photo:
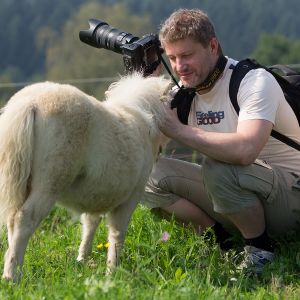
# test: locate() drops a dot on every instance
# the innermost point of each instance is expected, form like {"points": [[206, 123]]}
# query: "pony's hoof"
{"points": [[109, 271], [11, 278], [80, 260]]}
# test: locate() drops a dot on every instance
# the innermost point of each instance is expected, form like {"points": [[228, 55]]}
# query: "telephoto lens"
{"points": [[101, 35]]}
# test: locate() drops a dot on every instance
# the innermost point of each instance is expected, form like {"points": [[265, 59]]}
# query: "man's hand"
{"points": [[171, 125]]}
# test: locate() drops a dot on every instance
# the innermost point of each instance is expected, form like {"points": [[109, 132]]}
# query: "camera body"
{"points": [[139, 54], [142, 55]]}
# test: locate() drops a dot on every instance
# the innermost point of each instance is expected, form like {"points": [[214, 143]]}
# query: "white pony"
{"points": [[59, 144]]}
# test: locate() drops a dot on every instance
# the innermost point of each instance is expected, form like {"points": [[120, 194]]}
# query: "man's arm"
{"points": [[241, 147]]}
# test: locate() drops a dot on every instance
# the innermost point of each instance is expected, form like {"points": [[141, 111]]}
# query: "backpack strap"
{"points": [[239, 72], [284, 139], [183, 101]]}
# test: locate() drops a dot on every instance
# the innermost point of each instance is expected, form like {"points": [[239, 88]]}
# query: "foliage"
{"points": [[182, 266], [29, 27], [19, 23], [277, 49], [238, 22]]}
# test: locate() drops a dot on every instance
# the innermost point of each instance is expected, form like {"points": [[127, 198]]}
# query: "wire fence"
{"points": [[69, 81], [7, 85]]}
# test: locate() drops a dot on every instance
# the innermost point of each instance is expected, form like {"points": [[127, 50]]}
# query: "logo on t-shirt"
{"points": [[209, 118]]}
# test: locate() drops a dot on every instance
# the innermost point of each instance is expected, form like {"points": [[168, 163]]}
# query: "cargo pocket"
{"points": [[260, 179], [296, 184]]}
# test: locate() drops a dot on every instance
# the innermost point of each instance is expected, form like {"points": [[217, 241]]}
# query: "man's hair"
{"points": [[183, 23]]}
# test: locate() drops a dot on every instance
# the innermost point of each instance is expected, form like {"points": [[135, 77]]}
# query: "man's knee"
{"points": [[222, 185], [217, 175], [159, 190], [158, 179]]}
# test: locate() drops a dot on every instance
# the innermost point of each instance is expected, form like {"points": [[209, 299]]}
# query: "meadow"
{"points": [[160, 260]]}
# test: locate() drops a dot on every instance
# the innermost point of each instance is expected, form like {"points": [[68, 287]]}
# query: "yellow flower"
{"points": [[100, 246]]}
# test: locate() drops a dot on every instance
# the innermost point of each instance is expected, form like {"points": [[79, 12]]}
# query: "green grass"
{"points": [[184, 267]]}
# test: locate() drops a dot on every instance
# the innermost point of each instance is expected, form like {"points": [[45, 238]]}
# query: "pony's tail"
{"points": [[16, 148]]}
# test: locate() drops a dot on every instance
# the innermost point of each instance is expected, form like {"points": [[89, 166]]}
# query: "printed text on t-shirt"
{"points": [[209, 118]]}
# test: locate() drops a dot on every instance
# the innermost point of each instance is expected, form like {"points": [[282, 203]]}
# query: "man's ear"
{"points": [[214, 45]]}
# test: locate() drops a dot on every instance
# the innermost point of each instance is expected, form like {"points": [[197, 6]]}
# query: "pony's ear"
{"points": [[168, 88], [166, 96]]}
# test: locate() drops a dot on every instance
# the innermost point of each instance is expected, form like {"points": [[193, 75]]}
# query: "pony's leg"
{"points": [[10, 228], [89, 223], [25, 221], [118, 220]]}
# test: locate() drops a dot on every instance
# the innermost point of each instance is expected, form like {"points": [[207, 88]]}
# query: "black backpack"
{"points": [[289, 82]]}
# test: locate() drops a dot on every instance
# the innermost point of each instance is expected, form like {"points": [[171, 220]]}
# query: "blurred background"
{"points": [[39, 38]]}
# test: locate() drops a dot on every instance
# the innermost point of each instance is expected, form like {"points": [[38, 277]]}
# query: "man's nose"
{"points": [[180, 65]]}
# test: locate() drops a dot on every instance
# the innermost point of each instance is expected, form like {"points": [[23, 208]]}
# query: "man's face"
{"points": [[191, 61]]}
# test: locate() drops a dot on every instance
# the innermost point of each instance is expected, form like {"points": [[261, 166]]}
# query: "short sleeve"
{"points": [[259, 96]]}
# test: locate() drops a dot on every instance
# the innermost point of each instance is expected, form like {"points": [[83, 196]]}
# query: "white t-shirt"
{"points": [[259, 97]]}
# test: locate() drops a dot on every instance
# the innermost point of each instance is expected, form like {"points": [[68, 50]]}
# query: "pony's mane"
{"points": [[136, 90]]}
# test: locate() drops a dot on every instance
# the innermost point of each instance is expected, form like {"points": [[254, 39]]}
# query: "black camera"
{"points": [[139, 54]]}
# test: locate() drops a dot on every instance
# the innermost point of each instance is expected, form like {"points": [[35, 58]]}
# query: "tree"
{"points": [[277, 49], [19, 22], [29, 27]]}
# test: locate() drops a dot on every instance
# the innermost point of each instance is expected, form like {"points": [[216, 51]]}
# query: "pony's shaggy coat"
{"points": [[59, 144]]}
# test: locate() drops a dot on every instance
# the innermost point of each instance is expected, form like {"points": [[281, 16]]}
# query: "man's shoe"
{"points": [[254, 260]]}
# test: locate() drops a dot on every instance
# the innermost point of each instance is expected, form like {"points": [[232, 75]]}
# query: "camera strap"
{"points": [[184, 97], [214, 75], [169, 71], [211, 78]]}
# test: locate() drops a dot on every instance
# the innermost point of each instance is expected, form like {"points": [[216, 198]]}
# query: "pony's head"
{"points": [[143, 96]]}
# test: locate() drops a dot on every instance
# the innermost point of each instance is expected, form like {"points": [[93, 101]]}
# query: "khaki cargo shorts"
{"points": [[219, 188]]}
